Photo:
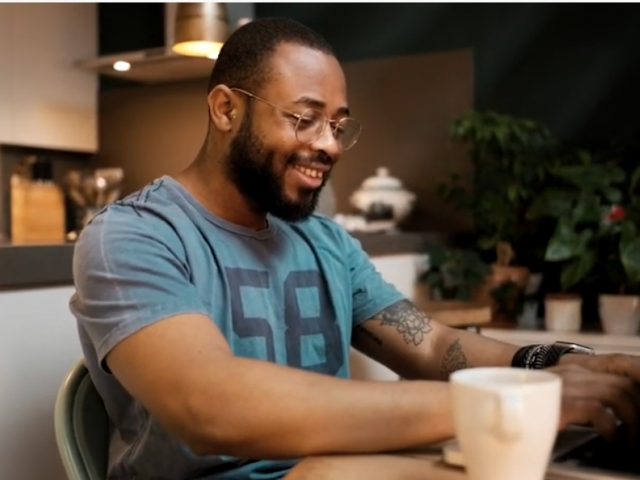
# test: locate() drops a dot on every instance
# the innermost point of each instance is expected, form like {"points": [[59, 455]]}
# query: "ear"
{"points": [[223, 108]]}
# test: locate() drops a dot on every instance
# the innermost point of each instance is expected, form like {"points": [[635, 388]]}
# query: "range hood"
{"points": [[161, 64]]}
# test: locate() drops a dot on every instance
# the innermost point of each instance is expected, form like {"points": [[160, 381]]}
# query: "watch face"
{"points": [[576, 348]]}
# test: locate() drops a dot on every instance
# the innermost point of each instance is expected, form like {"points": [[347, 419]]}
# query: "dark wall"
{"points": [[575, 67], [137, 134]]}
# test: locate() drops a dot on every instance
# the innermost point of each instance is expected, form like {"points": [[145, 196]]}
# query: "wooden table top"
{"points": [[392, 466], [456, 314], [419, 465]]}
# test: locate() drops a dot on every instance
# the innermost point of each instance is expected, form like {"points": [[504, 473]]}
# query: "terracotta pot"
{"points": [[518, 275], [502, 274], [563, 313], [619, 314]]}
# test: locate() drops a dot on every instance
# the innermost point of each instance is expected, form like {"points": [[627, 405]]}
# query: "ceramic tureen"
{"points": [[382, 198]]}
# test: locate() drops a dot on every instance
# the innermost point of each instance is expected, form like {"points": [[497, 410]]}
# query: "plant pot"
{"points": [[563, 313], [528, 319], [505, 312], [619, 314], [517, 275]]}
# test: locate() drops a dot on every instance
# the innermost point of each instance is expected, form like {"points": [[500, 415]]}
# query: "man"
{"points": [[216, 310]]}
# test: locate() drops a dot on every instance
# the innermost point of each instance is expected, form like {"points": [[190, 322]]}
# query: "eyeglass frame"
{"points": [[298, 117]]}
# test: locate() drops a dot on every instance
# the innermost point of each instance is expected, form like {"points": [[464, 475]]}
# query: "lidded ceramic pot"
{"points": [[383, 198]]}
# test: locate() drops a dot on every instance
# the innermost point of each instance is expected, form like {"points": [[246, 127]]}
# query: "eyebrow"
{"points": [[319, 104]]}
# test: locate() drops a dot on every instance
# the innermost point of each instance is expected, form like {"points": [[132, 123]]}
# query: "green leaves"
{"points": [[588, 208], [454, 273], [594, 175], [574, 247], [553, 202], [566, 243], [630, 252], [511, 157], [577, 270]]}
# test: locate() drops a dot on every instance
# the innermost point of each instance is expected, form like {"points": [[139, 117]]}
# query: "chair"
{"points": [[81, 427]]}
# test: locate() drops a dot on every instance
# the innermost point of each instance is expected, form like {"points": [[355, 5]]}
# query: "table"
{"points": [[419, 465], [393, 466], [457, 314]]}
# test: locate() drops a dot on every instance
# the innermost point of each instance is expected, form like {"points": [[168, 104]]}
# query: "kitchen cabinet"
{"points": [[45, 100]]}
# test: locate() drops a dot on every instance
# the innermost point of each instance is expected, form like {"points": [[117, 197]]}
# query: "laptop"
{"points": [[580, 454]]}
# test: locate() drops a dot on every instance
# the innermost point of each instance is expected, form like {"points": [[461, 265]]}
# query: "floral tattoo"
{"points": [[410, 322]]}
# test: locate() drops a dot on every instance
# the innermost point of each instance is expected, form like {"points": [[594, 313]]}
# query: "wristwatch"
{"points": [[544, 356], [558, 349]]}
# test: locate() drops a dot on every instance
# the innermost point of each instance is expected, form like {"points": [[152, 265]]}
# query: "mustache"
{"points": [[319, 157]]}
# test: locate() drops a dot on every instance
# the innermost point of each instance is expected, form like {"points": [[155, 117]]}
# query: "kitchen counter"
{"points": [[28, 266]]}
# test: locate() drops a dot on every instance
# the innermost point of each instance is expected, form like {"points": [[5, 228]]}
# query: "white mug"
{"points": [[506, 421]]}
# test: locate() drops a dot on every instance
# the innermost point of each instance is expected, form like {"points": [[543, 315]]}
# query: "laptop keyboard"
{"points": [[617, 456]]}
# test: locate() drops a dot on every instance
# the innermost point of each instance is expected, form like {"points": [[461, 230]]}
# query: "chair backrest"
{"points": [[82, 427]]}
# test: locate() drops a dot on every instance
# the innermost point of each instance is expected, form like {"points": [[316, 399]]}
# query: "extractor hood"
{"points": [[161, 64]]}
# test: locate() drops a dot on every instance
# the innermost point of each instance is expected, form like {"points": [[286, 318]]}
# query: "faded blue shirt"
{"points": [[290, 294]]}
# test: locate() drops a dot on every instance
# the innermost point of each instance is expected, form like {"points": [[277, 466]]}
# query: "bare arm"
{"points": [[182, 370], [415, 346]]}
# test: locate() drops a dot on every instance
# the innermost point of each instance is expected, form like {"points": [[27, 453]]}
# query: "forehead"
{"points": [[296, 71]]}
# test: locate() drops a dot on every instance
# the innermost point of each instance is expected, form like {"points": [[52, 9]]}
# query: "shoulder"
{"points": [[143, 220]]}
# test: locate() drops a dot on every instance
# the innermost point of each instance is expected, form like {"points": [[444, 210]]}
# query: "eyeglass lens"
{"points": [[312, 123]]}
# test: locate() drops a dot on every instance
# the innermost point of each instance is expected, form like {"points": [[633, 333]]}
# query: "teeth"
{"points": [[310, 172]]}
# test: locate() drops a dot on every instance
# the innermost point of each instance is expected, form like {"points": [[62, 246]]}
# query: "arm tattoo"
{"points": [[454, 359], [410, 322]]}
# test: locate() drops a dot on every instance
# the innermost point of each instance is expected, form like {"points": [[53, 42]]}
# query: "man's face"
{"points": [[266, 161]]}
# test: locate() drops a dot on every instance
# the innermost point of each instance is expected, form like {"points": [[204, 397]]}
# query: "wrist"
{"points": [[545, 356], [573, 359]]}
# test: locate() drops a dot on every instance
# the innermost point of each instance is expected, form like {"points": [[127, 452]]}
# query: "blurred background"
{"points": [[497, 169]]}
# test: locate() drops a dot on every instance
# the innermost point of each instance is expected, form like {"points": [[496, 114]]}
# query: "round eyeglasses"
{"points": [[311, 124]]}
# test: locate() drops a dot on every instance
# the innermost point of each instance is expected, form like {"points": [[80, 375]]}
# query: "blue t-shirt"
{"points": [[290, 294]]}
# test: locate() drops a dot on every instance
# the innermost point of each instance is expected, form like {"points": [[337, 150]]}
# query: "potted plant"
{"points": [[619, 247], [454, 274], [449, 286], [510, 157], [595, 240]]}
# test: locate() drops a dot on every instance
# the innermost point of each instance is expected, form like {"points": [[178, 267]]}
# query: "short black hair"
{"points": [[242, 62]]}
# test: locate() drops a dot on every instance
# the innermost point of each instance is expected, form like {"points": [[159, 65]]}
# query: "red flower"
{"points": [[616, 214]]}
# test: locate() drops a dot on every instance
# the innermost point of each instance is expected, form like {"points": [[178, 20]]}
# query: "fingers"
{"points": [[619, 364], [578, 411], [616, 393], [614, 363], [602, 397]]}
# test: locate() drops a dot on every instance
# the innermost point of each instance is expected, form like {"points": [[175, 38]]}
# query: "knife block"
{"points": [[37, 211]]}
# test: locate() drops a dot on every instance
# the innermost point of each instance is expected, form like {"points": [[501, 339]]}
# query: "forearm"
{"points": [[269, 411], [416, 346], [454, 349]]}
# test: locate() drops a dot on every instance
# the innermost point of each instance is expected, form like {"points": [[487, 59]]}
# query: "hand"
{"points": [[616, 364], [599, 398]]}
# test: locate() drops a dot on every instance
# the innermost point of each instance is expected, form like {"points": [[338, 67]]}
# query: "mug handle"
{"points": [[508, 416]]}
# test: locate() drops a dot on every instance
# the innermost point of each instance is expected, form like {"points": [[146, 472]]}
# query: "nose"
{"points": [[328, 144]]}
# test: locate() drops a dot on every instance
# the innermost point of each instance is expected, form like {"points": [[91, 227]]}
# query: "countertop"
{"points": [[30, 266]]}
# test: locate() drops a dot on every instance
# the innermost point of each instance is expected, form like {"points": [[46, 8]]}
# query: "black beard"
{"points": [[254, 171]]}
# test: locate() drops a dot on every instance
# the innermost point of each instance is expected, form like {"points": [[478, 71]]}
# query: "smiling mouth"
{"points": [[310, 172]]}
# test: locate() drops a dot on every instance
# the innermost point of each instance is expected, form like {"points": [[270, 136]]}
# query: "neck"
{"points": [[206, 180]]}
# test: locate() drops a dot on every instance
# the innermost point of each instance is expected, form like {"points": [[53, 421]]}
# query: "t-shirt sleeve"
{"points": [[129, 273], [371, 293]]}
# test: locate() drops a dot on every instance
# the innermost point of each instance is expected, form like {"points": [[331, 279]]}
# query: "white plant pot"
{"points": [[563, 314], [620, 314], [528, 320]]}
